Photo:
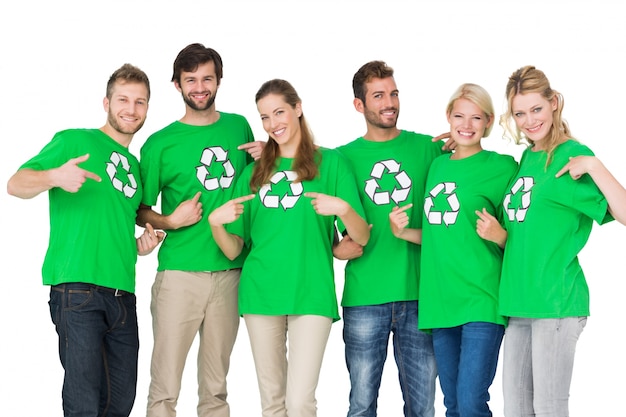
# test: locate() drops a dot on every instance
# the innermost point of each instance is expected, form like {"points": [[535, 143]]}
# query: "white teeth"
{"points": [[468, 134], [279, 132]]}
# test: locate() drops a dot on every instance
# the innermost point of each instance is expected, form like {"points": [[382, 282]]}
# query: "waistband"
{"points": [[68, 287]]}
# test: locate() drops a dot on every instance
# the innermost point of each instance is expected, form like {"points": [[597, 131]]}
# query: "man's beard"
{"points": [[194, 106], [118, 128]]}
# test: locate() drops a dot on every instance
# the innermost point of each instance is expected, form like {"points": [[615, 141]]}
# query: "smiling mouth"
{"points": [[534, 129], [202, 96], [278, 132]]}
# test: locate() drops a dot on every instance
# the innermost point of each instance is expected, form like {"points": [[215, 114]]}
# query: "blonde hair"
{"points": [[527, 80], [477, 95]]}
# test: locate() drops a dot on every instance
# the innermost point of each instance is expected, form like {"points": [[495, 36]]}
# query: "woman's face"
{"points": [[533, 115], [281, 122], [467, 124]]}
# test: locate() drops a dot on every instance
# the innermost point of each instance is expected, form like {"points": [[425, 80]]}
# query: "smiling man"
{"points": [[192, 164], [94, 190], [382, 279]]}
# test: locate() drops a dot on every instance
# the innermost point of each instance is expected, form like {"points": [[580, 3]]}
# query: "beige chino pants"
{"points": [[185, 304], [288, 352]]}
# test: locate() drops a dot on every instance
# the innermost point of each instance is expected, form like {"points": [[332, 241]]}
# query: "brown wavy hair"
{"points": [[307, 157]]}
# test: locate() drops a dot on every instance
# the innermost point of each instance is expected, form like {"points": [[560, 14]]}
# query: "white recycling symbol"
{"points": [[130, 188], [446, 217], [287, 201], [398, 195], [211, 156], [523, 185]]}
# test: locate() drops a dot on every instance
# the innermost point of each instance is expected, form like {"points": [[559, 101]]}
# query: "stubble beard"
{"points": [[194, 106]]}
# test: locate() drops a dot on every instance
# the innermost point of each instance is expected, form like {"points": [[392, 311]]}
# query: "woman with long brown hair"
{"points": [[287, 293]]}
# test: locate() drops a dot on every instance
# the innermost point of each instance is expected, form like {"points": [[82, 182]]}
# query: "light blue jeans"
{"points": [[538, 364], [366, 333]]}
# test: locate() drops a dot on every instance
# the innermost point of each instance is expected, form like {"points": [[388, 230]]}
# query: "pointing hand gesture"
{"points": [[70, 177], [229, 212]]}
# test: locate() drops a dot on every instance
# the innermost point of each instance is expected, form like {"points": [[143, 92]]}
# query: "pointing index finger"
{"points": [[243, 198]]}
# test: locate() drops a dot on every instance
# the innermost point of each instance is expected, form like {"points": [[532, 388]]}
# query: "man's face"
{"points": [[127, 108], [382, 104], [199, 88]]}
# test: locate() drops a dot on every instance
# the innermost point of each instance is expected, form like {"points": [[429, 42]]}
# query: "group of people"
{"points": [[251, 229]]}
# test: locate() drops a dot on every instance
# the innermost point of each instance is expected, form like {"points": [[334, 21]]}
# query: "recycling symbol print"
{"points": [[517, 202], [381, 190], [216, 170], [281, 190], [451, 212], [117, 169]]}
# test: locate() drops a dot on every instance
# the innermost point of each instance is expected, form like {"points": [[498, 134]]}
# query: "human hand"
{"points": [[578, 166], [327, 205], [399, 219], [347, 249], [488, 228], [253, 148], [448, 145], [70, 177], [149, 240], [229, 211], [187, 213]]}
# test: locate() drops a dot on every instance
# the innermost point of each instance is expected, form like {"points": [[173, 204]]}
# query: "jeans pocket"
{"points": [[75, 299]]}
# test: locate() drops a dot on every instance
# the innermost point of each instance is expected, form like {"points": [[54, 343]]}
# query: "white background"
{"points": [[57, 56]]}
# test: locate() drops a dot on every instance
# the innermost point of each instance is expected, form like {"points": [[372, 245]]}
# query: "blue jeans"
{"points": [[366, 335], [98, 348], [538, 365], [467, 358]]}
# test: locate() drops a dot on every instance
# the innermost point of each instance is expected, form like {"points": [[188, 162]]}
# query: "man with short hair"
{"points": [[193, 164], [382, 279], [94, 189]]}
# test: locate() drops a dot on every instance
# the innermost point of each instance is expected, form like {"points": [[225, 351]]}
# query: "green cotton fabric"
{"points": [[548, 220], [181, 160], [289, 269], [461, 271], [391, 173], [92, 231]]}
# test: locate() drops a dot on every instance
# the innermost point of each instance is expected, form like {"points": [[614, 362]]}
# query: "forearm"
{"points": [[230, 244], [357, 228], [28, 183], [500, 238], [146, 214], [411, 235], [612, 190]]}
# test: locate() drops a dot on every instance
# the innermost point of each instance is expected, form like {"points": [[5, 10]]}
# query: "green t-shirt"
{"points": [[460, 270], [391, 173], [177, 162], [548, 221], [92, 231], [289, 269]]}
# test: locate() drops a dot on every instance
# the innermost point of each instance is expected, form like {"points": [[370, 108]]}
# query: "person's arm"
{"points": [[187, 213], [345, 248], [27, 183], [399, 220], [327, 205], [612, 190], [488, 228], [149, 240], [230, 244]]}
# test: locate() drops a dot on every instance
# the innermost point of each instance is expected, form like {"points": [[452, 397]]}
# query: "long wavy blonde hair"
{"points": [[526, 80]]}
